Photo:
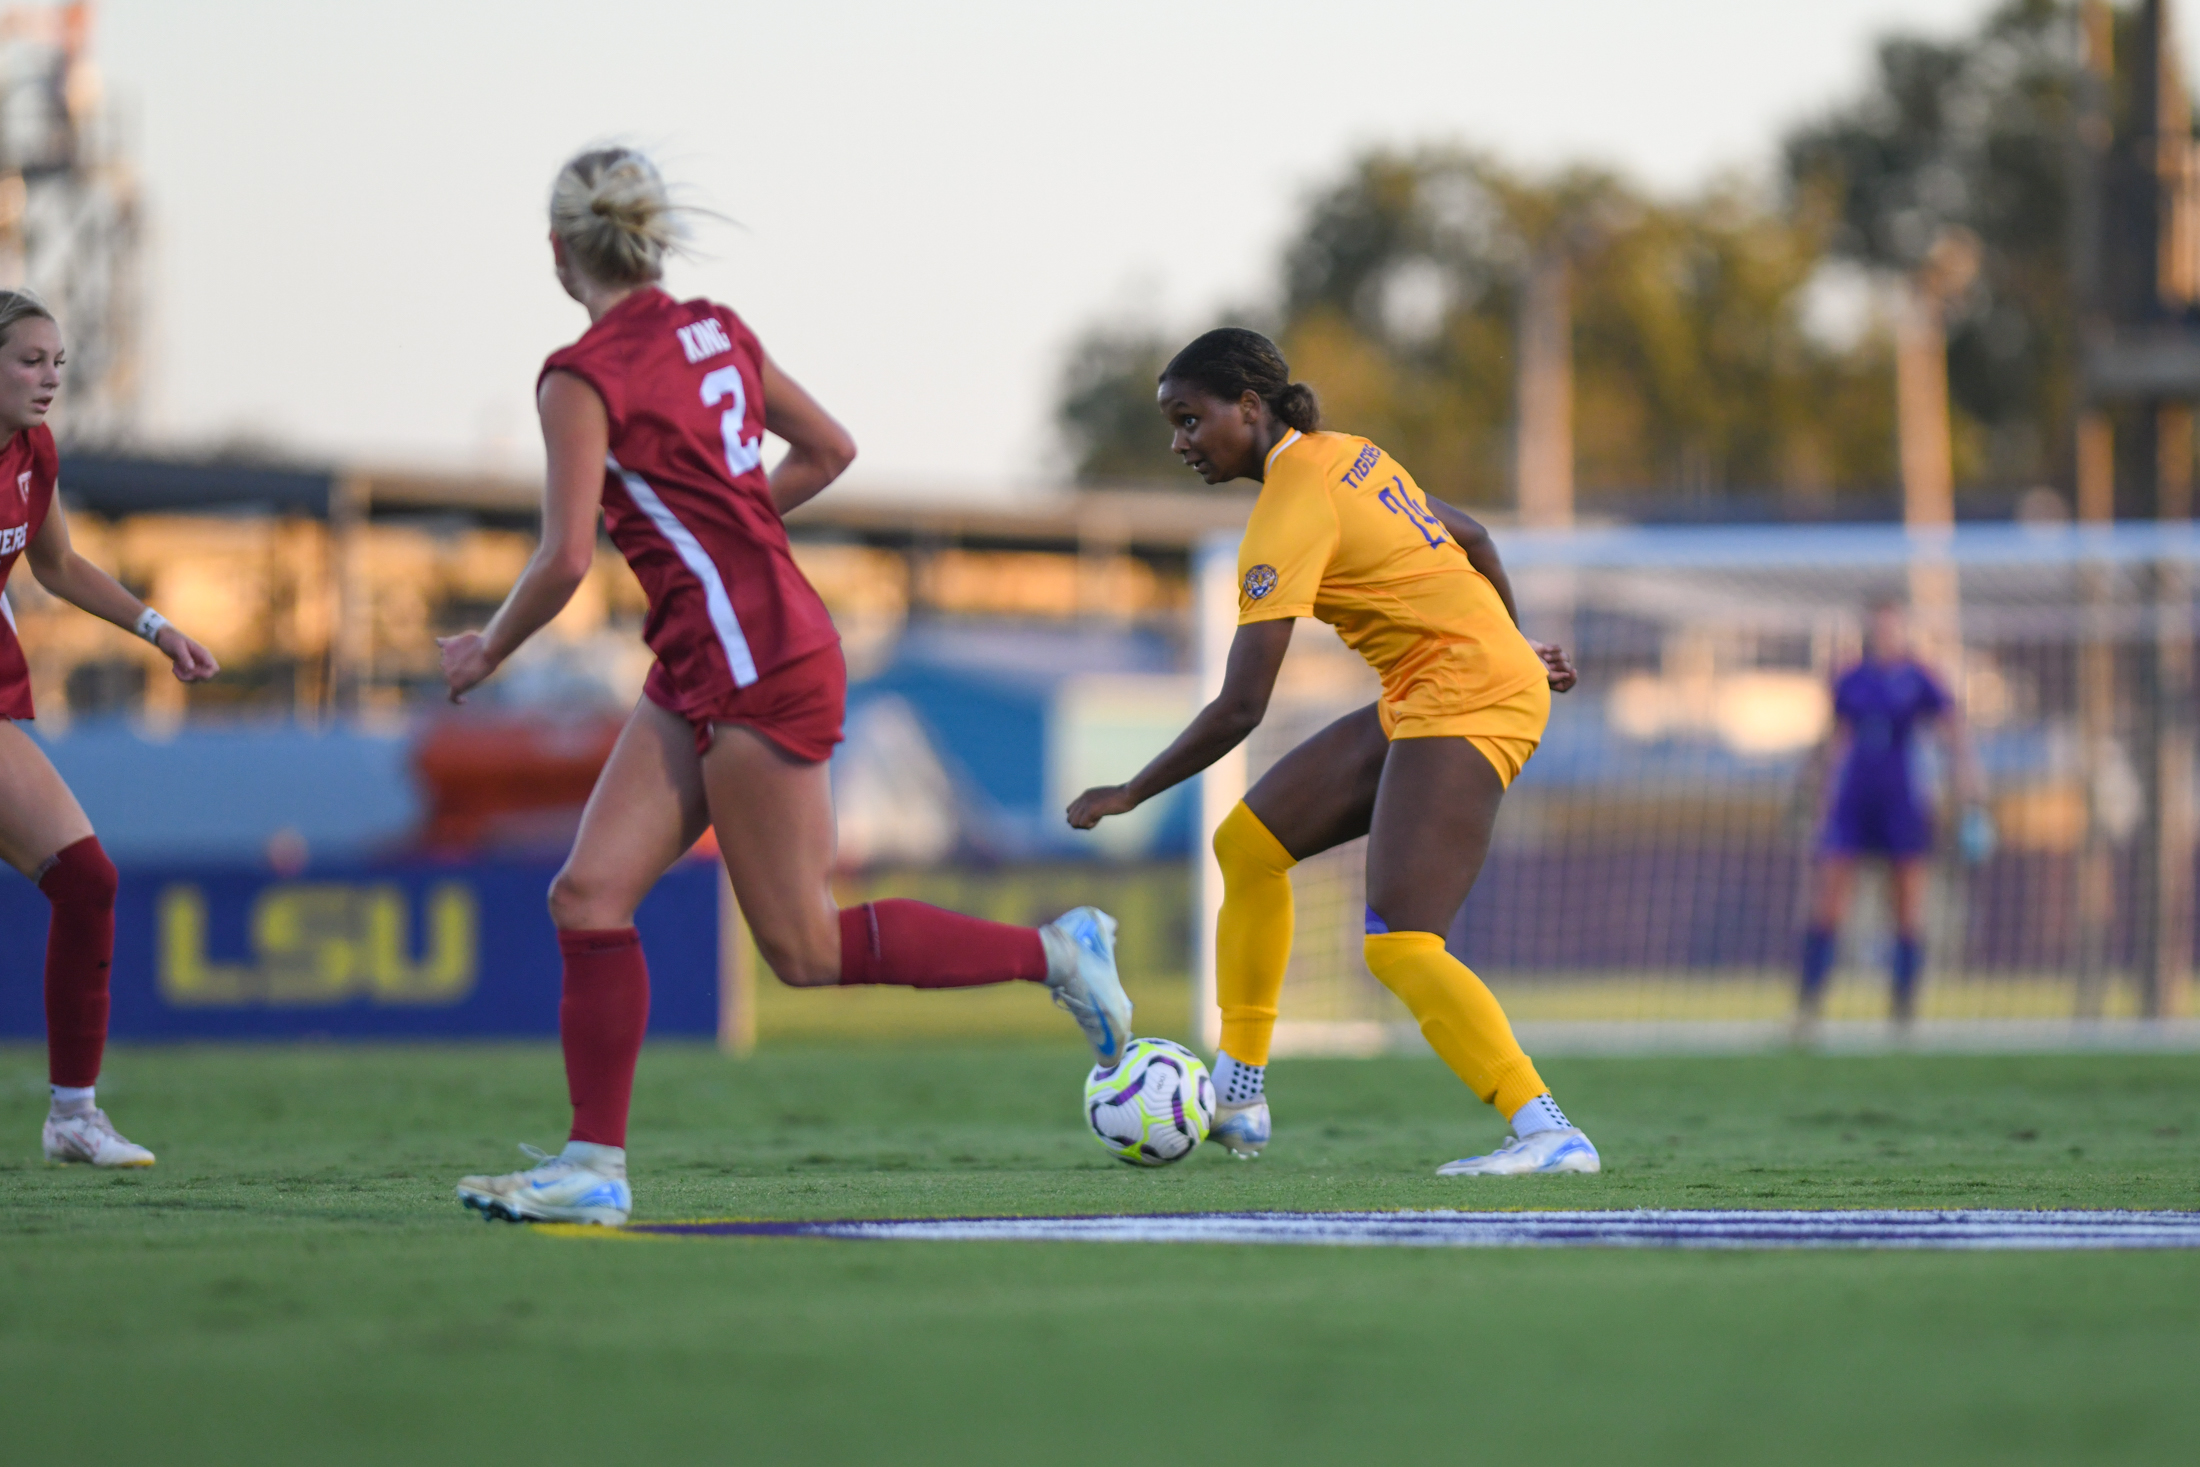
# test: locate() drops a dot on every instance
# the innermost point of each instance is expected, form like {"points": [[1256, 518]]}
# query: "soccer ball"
{"points": [[1152, 1106]]}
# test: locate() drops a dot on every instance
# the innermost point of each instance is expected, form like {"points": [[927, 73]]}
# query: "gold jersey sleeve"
{"points": [[1342, 533]]}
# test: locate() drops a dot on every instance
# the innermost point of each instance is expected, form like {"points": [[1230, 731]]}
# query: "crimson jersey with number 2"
{"points": [[28, 468], [685, 496]]}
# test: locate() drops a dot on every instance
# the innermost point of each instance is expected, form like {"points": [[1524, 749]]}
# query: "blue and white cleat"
{"points": [[1080, 947], [1243, 1128], [567, 1189], [1564, 1149]]}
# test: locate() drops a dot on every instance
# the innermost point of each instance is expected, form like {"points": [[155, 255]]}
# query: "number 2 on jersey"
{"points": [[1400, 500], [742, 454]]}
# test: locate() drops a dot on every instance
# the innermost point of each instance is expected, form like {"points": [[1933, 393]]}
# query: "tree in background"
{"points": [[1694, 365], [1105, 409], [1971, 135], [1400, 299]]}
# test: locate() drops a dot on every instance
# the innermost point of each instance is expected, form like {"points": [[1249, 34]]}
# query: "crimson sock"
{"points": [[601, 1019], [914, 945], [80, 949]]}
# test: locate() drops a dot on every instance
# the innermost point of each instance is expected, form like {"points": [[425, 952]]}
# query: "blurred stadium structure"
{"points": [[1651, 862], [70, 226], [1000, 659]]}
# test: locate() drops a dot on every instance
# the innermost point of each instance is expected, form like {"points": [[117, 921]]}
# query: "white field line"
{"points": [[1964, 1229]]}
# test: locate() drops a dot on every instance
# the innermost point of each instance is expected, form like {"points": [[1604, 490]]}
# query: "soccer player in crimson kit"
{"points": [[655, 419], [43, 831]]}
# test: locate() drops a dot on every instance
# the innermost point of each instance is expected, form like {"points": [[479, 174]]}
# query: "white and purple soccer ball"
{"points": [[1152, 1106]]}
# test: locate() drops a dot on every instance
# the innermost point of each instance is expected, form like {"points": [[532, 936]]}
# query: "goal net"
{"points": [[1652, 865]]}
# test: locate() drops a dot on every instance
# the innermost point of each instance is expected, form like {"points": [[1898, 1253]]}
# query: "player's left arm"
{"points": [[819, 449], [65, 573], [1975, 834], [1473, 537]]}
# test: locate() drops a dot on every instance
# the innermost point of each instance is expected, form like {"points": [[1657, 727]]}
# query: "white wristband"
{"points": [[149, 624]]}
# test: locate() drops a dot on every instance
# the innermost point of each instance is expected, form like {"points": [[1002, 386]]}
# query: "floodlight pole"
{"points": [[1543, 447], [2136, 259], [1928, 467], [2166, 939]]}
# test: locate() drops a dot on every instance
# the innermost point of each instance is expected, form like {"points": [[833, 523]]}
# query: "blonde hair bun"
{"points": [[611, 208]]}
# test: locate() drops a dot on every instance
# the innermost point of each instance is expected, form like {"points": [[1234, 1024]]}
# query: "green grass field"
{"points": [[294, 1281]]}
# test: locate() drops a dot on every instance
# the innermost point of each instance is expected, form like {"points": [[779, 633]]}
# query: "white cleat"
{"points": [[90, 1139], [1080, 946], [1243, 1127], [561, 1189], [1564, 1149]]}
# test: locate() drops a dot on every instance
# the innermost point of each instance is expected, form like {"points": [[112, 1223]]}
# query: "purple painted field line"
{"points": [[1959, 1229]]}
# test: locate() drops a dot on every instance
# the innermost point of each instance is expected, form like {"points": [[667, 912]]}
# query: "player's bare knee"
{"points": [[578, 904], [801, 959], [799, 966]]}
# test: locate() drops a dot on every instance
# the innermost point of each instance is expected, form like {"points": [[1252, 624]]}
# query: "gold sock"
{"points": [[1252, 933], [1459, 1016]]}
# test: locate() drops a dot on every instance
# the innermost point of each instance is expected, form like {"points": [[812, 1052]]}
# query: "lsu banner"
{"points": [[413, 950]]}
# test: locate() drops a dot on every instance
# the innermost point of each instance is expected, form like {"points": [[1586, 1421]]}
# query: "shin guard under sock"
{"points": [[913, 945], [602, 1017], [80, 951], [1459, 1016], [1252, 932]]}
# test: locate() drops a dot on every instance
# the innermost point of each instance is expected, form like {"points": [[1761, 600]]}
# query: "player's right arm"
{"points": [[64, 573], [576, 434], [1248, 679], [1289, 542]]}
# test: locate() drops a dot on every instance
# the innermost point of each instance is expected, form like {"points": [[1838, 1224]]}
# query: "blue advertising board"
{"points": [[411, 950]]}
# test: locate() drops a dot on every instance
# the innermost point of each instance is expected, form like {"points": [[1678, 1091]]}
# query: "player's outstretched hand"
{"points": [[1096, 805], [466, 662], [1559, 667], [190, 662]]}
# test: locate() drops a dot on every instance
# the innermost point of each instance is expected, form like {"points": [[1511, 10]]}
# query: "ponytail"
{"points": [[611, 209], [1297, 406]]}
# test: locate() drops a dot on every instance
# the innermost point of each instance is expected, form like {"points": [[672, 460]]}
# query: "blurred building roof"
{"points": [[124, 486], [1128, 520]]}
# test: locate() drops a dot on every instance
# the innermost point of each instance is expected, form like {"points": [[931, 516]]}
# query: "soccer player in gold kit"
{"points": [[1342, 533]]}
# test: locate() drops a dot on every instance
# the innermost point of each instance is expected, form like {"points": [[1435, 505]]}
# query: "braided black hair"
{"points": [[1230, 361]]}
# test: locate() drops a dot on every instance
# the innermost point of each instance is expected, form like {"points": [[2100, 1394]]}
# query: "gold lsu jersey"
{"points": [[1342, 533]]}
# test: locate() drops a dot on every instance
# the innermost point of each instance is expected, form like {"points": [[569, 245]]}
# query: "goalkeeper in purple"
{"points": [[1876, 807]]}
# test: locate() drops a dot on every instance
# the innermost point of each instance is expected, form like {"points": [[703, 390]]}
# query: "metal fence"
{"points": [[1652, 862]]}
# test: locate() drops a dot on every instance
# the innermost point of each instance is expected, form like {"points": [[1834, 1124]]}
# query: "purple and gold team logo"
{"points": [[1260, 580]]}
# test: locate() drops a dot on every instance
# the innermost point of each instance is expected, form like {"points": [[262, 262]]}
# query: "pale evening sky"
{"points": [[347, 200]]}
